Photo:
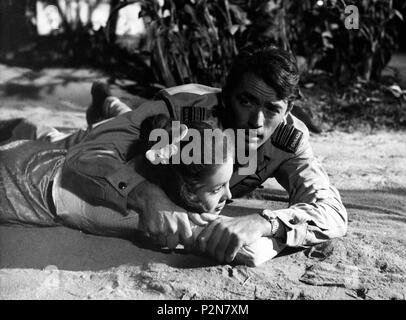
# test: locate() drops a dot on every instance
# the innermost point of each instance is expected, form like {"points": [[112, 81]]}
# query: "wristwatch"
{"points": [[272, 220]]}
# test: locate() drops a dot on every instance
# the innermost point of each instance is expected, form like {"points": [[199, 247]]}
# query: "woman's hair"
{"points": [[179, 180]]}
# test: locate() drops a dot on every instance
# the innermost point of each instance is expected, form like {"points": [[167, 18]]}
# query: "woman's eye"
{"points": [[217, 190]]}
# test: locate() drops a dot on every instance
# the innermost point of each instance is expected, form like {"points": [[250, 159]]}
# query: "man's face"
{"points": [[255, 105]]}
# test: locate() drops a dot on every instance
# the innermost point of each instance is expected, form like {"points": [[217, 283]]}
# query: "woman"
{"points": [[31, 191], [197, 187]]}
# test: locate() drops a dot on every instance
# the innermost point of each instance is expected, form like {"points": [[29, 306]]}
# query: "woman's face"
{"points": [[216, 190]]}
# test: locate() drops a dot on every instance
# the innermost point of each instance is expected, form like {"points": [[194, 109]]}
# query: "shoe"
{"points": [[6, 130], [100, 91], [17, 129]]}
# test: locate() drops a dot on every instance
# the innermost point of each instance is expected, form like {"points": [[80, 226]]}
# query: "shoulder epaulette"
{"points": [[287, 138], [190, 114]]}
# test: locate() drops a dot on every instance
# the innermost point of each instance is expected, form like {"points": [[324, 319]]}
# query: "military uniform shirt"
{"points": [[99, 168]]}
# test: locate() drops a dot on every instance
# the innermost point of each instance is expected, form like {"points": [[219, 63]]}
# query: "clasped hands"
{"points": [[169, 225]]}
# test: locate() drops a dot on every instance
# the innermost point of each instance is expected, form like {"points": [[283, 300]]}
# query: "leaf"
{"points": [[239, 15], [162, 62], [234, 29], [396, 90], [191, 12], [398, 14]]}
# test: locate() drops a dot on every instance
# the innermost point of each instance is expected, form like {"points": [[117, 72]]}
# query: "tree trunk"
{"points": [[15, 29], [113, 21]]}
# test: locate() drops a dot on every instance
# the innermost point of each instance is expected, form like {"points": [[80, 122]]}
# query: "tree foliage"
{"points": [[196, 40]]}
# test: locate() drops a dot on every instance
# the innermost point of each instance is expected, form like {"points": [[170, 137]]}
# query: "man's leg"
{"points": [[99, 92], [23, 129], [104, 105], [16, 129]]}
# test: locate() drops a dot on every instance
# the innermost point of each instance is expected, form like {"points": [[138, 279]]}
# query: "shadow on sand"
{"points": [[26, 247]]}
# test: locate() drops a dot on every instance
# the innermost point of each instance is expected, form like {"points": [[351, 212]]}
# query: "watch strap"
{"points": [[273, 221]]}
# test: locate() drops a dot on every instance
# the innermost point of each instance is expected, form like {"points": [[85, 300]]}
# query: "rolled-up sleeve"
{"points": [[316, 212]]}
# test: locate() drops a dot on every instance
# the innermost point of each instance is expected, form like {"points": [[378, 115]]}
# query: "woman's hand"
{"points": [[202, 219], [223, 237]]}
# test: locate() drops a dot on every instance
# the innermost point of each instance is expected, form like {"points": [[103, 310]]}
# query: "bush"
{"points": [[196, 40], [319, 33], [190, 41]]}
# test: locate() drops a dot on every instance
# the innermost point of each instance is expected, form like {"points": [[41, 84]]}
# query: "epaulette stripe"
{"points": [[287, 137], [283, 138], [290, 133], [193, 114], [277, 131]]}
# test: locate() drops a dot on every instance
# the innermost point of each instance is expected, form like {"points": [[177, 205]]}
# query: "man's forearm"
{"points": [[310, 224], [139, 195], [316, 212]]}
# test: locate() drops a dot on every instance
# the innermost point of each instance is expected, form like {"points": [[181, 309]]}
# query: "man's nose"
{"points": [[257, 119]]}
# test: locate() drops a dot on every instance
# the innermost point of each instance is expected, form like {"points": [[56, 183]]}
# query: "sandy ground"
{"points": [[369, 169]]}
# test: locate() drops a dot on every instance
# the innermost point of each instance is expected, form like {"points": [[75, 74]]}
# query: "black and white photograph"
{"points": [[216, 151]]}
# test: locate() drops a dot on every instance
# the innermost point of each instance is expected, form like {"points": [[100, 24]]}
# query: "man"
{"points": [[258, 95]]}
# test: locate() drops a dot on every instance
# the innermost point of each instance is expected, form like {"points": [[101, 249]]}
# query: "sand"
{"points": [[369, 169]]}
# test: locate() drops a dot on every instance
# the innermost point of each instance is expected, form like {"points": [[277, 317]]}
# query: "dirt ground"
{"points": [[368, 168]]}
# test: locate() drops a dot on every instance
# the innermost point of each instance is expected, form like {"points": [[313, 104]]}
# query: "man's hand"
{"points": [[223, 237], [165, 222], [202, 219]]}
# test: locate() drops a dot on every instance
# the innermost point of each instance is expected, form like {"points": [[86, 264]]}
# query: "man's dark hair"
{"points": [[276, 67]]}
